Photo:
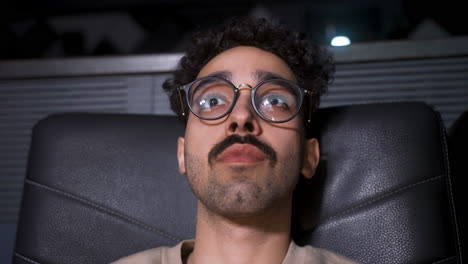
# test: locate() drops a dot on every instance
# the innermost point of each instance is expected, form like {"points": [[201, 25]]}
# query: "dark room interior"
{"points": [[112, 56]]}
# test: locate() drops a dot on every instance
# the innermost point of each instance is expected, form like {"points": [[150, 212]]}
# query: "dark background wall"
{"points": [[65, 28]]}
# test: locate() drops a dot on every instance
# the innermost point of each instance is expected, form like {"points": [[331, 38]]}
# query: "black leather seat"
{"points": [[103, 186], [458, 145]]}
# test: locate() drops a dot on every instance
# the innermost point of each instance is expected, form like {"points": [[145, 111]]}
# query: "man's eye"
{"points": [[274, 102], [209, 102]]}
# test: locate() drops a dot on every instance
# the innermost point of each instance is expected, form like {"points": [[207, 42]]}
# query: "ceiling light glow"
{"points": [[340, 41]]}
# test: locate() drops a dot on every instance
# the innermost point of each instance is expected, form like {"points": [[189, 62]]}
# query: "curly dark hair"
{"points": [[313, 66]]}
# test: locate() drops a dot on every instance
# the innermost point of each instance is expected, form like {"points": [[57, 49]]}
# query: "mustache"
{"points": [[249, 139]]}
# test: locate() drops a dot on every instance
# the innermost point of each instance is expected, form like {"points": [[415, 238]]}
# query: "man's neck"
{"points": [[260, 239]]}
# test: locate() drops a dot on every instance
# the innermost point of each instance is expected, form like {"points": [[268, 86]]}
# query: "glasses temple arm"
{"points": [[181, 101], [311, 95]]}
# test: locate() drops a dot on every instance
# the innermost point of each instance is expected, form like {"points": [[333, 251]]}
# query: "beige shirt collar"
{"points": [[179, 254]]}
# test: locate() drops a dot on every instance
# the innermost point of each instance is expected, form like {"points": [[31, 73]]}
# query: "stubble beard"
{"points": [[241, 194]]}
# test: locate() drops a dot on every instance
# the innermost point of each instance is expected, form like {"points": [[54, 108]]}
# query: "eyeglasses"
{"points": [[274, 100]]}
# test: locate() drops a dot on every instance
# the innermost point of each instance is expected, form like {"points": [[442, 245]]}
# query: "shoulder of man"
{"points": [[161, 255], [150, 256], [309, 254]]}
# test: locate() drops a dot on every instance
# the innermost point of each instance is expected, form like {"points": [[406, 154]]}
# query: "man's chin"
{"points": [[241, 199], [241, 171], [236, 212]]}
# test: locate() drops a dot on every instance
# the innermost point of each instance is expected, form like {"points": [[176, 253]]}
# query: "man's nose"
{"points": [[243, 120]]}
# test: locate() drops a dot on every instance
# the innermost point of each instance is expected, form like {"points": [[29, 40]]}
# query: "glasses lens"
{"points": [[278, 100], [210, 97]]}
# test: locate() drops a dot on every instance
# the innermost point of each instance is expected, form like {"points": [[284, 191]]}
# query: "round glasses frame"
{"points": [[236, 91]]}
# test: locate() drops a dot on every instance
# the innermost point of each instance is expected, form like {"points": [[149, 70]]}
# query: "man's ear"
{"points": [[311, 158], [180, 154]]}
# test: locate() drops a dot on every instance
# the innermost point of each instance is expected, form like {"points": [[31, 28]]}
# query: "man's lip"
{"points": [[241, 153]]}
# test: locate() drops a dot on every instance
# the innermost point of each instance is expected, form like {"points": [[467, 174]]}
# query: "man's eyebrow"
{"points": [[222, 74], [261, 75]]}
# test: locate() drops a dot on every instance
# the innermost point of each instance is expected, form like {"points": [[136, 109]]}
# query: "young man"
{"points": [[246, 91]]}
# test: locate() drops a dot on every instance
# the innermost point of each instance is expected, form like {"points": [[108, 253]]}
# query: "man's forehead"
{"points": [[258, 75], [244, 60]]}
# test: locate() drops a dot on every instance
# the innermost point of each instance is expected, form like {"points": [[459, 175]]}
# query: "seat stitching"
{"points": [[104, 209], [382, 197], [25, 258], [449, 182], [444, 260]]}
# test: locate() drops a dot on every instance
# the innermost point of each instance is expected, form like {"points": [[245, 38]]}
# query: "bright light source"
{"points": [[339, 41]]}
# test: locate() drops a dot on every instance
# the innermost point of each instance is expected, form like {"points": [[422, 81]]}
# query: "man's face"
{"points": [[235, 177]]}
